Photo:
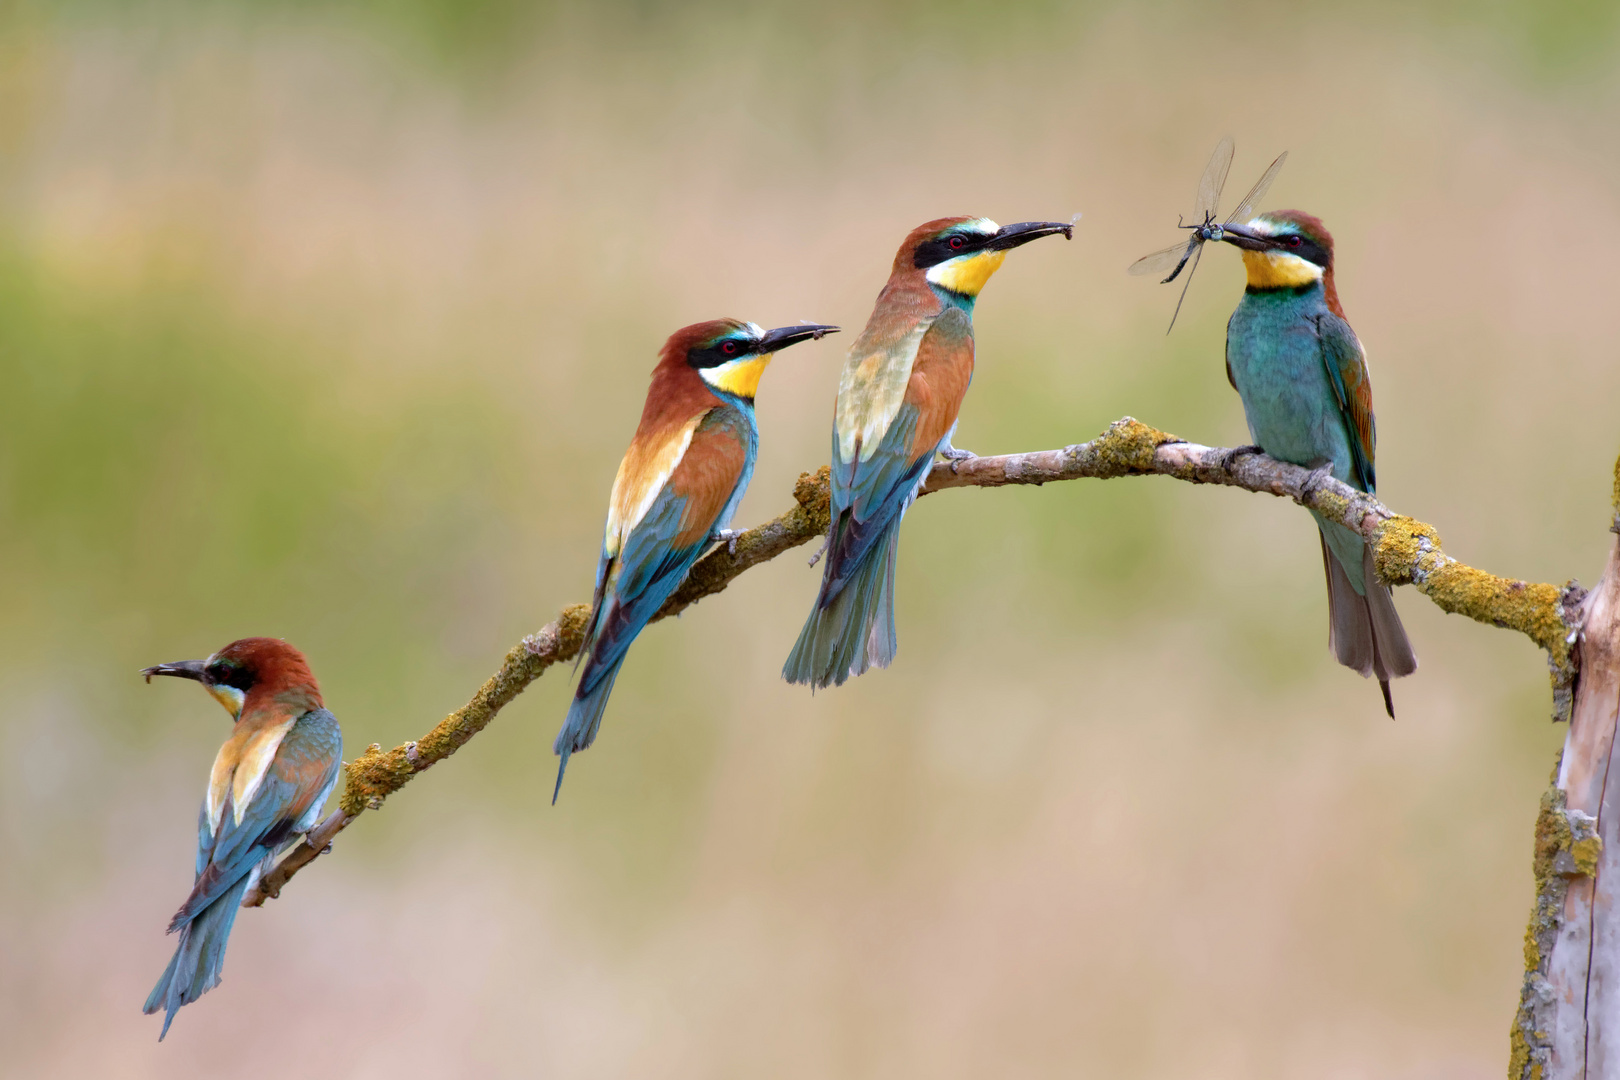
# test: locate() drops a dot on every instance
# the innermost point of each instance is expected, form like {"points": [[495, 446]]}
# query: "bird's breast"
{"points": [[1288, 400]]}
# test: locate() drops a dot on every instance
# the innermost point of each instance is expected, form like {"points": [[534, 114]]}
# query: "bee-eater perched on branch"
{"points": [[898, 399], [1302, 375], [677, 488], [268, 785]]}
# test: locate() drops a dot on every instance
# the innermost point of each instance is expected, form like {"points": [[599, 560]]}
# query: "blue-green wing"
{"points": [[1346, 365]]}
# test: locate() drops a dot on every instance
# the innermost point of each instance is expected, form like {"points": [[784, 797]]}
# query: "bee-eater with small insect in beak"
{"points": [[677, 489], [898, 400], [268, 785], [1302, 375]]}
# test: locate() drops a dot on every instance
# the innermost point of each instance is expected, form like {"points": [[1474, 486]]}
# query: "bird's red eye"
{"points": [[1295, 241], [957, 243], [729, 348]]}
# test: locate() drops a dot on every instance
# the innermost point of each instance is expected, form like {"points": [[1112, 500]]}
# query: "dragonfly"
{"points": [[1176, 256]]}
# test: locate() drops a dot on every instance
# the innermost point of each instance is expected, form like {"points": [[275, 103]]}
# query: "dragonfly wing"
{"points": [[1213, 180], [1245, 209], [1159, 261]]}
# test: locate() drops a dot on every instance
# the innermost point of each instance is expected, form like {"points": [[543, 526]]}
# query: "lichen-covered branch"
{"points": [[1407, 552]]}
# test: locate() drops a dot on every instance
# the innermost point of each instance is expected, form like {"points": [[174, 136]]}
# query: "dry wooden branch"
{"points": [[1568, 1023], [1407, 552]]}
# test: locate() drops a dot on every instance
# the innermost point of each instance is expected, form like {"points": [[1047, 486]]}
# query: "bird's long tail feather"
{"points": [[1365, 632], [198, 959], [853, 629], [584, 719]]}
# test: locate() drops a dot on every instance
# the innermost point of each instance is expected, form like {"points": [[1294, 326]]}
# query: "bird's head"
{"points": [[730, 355], [1283, 249], [959, 254], [258, 668]]}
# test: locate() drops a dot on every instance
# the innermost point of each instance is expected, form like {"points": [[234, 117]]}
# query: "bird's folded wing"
{"points": [[300, 774], [1346, 364], [873, 387], [937, 373], [672, 532], [876, 487]]}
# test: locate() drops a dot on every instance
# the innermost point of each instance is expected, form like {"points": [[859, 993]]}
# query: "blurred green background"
{"points": [[331, 321]]}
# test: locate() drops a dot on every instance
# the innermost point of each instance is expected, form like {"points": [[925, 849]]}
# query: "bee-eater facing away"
{"points": [[898, 399], [1302, 375], [677, 488], [269, 782]]}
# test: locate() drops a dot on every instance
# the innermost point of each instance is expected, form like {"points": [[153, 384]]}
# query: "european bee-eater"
{"points": [[898, 400], [268, 785], [1302, 375], [677, 488]]}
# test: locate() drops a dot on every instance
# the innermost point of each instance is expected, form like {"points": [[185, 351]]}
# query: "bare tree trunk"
{"points": [[1568, 1023]]}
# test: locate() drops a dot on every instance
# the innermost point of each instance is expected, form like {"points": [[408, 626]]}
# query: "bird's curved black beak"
{"points": [[1246, 238], [184, 669], [1011, 236], [783, 336]]}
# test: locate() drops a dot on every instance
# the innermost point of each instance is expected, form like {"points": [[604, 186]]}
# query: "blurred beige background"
{"points": [[331, 322]]}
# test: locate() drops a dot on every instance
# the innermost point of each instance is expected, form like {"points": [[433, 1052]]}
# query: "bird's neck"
{"points": [[952, 298], [290, 700]]}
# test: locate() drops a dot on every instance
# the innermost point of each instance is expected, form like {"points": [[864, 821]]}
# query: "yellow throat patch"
{"points": [[738, 377], [1279, 270], [230, 697], [967, 275]]}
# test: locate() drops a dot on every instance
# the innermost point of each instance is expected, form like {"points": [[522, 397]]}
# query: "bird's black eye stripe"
{"points": [[225, 673], [718, 352], [949, 246], [1304, 247]]}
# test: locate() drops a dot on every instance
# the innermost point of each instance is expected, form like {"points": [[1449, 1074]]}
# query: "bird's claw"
{"points": [[1314, 480], [728, 537], [1230, 456], [820, 551], [956, 457]]}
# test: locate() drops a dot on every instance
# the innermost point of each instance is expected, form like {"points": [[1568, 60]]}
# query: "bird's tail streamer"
{"points": [[584, 718]]}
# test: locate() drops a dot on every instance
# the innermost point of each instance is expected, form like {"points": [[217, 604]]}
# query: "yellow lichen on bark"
{"points": [[1408, 552], [1127, 447]]}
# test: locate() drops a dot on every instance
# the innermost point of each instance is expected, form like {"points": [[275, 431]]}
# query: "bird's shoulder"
{"points": [[314, 740]]}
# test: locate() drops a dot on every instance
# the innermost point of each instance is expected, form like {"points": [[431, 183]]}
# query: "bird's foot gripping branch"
{"points": [[1407, 552]]}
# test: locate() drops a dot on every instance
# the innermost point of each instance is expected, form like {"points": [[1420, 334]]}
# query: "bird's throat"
{"points": [[1279, 270], [228, 696], [966, 275], [738, 378]]}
